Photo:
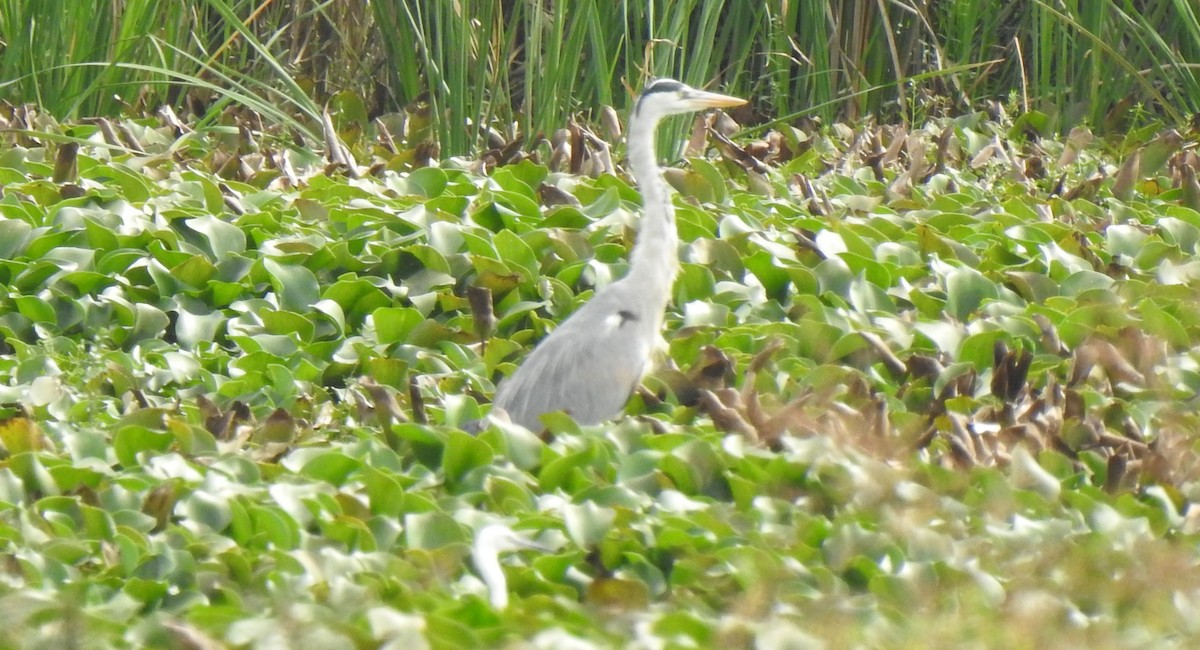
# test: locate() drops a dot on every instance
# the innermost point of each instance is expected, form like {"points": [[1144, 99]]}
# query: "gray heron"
{"points": [[490, 542], [590, 364]]}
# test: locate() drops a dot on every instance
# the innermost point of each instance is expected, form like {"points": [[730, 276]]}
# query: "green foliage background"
{"points": [[527, 66], [927, 384]]}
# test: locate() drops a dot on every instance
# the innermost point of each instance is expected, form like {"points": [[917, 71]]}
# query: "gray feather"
{"points": [[587, 367]]}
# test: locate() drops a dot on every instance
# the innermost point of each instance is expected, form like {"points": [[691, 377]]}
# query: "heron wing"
{"points": [[587, 367]]}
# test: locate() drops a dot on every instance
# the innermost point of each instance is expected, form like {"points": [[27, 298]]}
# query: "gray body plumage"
{"points": [[590, 364], [593, 361]]}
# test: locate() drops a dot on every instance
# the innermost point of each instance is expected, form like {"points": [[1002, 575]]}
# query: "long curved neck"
{"points": [[654, 261]]}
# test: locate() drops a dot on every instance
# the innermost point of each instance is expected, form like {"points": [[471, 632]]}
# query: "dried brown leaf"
{"points": [[725, 418], [184, 636], [416, 400], [383, 403], [1087, 188], [66, 163], [945, 139], [1116, 366], [1127, 176], [924, 367], [732, 151], [1191, 187], [279, 427], [336, 151], [897, 146], [1079, 138], [894, 365], [482, 312], [610, 123]]}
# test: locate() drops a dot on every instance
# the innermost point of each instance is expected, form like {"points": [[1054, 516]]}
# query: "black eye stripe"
{"points": [[662, 86], [655, 87]]}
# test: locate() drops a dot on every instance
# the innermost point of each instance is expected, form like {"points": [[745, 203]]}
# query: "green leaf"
{"points": [[295, 285], [130, 442], [587, 523], [966, 289], [385, 493], [35, 309], [134, 187], [775, 280], [275, 527], [463, 453], [196, 271], [1081, 281], [286, 322], [428, 182], [357, 297], [514, 251], [432, 530], [1159, 322], [332, 467], [222, 239], [14, 237], [714, 177], [396, 324], [202, 507], [192, 329]]}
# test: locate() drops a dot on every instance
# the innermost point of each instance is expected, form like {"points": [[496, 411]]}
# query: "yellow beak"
{"points": [[704, 99]]}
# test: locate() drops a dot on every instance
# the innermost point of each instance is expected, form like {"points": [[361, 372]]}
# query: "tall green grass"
{"points": [[47, 46], [106, 57], [538, 64], [527, 67]]}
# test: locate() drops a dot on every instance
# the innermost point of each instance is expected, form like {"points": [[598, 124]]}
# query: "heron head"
{"points": [[662, 97], [498, 538], [490, 542]]}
